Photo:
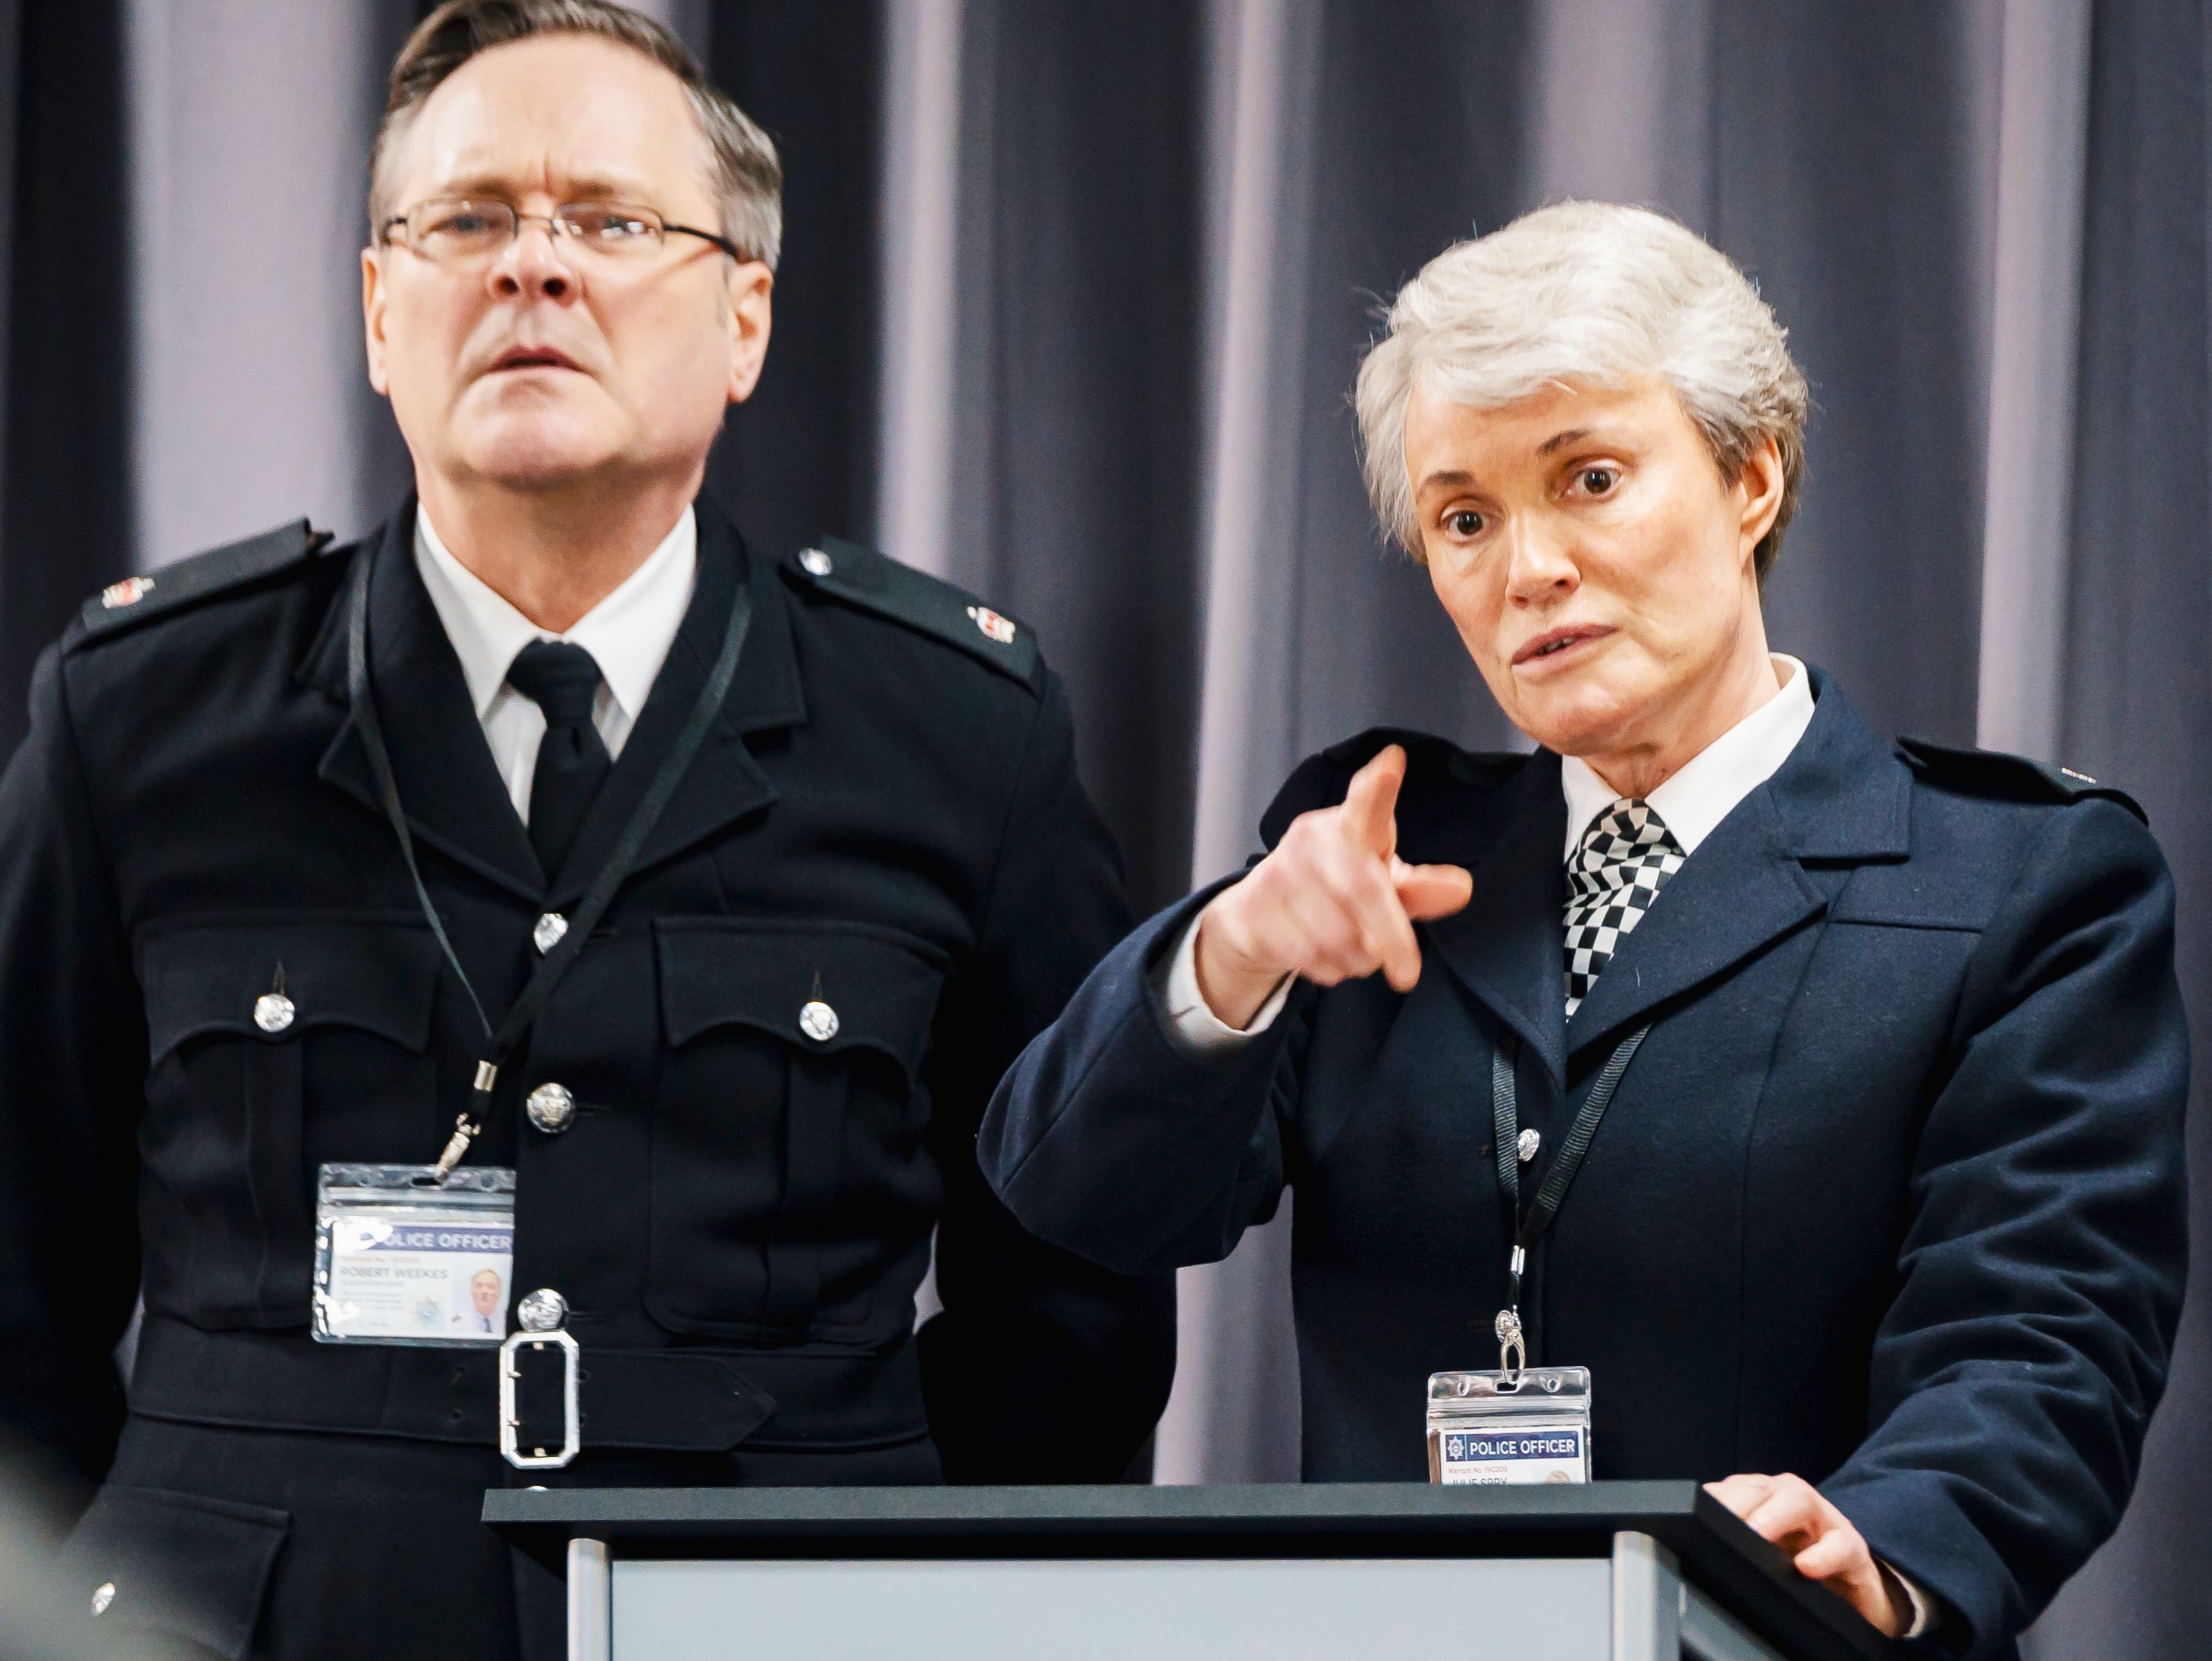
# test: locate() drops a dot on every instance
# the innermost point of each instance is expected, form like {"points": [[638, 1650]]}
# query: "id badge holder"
{"points": [[1531, 1425], [406, 1255]]}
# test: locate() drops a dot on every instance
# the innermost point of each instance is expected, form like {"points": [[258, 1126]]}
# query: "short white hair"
{"points": [[1584, 294]]}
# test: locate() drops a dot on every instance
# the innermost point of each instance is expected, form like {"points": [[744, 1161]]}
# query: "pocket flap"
{"points": [[380, 976], [173, 1563], [880, 986]]}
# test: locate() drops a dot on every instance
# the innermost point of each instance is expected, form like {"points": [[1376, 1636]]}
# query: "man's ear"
{"points": [[373, 298], [751, 315]]}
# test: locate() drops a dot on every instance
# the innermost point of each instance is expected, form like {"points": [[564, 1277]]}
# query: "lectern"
{"points": [[1345, 1572]]}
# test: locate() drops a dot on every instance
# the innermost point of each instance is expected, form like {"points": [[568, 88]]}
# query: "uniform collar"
{"points": [[765, 692], [1845, 794], [1840, 795], [627, 633], [455, 800], [724, 782], [1706, 789]]}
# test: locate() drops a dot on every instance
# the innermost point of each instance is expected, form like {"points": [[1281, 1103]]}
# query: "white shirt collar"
{"points": [[627, 634], [1706, 789]]}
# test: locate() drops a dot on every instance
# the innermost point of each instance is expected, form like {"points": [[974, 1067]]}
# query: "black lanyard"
{"points": [[1506, 1119], [500, 1042]]}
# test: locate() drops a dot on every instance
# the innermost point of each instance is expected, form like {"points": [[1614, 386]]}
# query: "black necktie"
{"points": [[572, 762]]}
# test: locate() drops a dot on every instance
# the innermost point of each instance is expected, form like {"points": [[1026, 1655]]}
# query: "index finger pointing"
{"points": [[1370, 804]]}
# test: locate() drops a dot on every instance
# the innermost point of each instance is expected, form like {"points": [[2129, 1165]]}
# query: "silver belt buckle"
{"points": [[542, 1314]]}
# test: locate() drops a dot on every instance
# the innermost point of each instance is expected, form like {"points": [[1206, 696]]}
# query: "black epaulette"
{"points": [[1361, 748], [1426, 750], [2009, 778], [1431, 763], [874, 582], [138, 599]]}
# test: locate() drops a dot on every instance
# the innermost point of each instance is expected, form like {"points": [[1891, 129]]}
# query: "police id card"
{"points": [[406, 1256], [1531, 1425]]}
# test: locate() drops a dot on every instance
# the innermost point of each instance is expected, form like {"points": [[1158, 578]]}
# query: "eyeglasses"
{"points": [[456, 232]]}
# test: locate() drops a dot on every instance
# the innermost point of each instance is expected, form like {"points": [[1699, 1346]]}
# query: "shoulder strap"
{"points": [[1320, 781], [876, 583], [1426, 750], [2008, 778], [139, 599]]}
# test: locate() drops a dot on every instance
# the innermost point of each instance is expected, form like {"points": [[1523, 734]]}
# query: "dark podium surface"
{"points": [[1743, 1574]]}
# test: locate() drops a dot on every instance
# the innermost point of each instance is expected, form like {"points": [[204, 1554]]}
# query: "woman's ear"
{"points": [[1759, 493]]}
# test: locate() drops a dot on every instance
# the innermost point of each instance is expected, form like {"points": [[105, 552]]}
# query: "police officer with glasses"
{"points": [[517, 993]]}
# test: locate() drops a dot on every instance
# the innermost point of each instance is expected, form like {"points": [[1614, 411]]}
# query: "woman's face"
{"points": [[1599, 568]]}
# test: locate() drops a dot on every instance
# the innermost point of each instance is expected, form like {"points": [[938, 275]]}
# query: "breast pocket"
{"points": [[789, 1110], [259, 1032]]}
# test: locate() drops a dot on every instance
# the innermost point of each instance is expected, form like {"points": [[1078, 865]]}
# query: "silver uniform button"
{"points": [[547, 934], [543, 1310], [102, 1595], [1526, 1145], [815, 562], [818, 1020], [272, 1012], [551, 1108]]}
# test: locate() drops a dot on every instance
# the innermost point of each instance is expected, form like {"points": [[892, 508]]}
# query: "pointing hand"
{"points": [[1331, 903]]}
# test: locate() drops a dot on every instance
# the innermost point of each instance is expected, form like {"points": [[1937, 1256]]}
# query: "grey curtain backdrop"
{"points": [[1072, 301]]}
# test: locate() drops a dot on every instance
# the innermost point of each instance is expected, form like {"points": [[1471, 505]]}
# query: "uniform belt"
{"points": [[662, 1400]]}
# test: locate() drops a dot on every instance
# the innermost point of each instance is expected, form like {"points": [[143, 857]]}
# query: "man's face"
{"points": [[1596, 564], [484, 1292], [547, 366]]}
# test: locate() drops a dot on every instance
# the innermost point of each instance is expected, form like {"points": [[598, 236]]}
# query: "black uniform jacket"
{"points": [[1891, 1198], [885, 816]]}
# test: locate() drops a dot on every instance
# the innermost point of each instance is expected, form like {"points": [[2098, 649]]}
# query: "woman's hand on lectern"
{"points": [[1798, 1518]]}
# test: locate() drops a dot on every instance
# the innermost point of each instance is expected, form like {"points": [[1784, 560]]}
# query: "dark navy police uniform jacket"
{"points": [[1891, 1198], [884, 816]]}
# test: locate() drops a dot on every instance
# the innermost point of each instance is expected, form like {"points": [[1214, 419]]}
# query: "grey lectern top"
{"points": [[1348, 1572]]}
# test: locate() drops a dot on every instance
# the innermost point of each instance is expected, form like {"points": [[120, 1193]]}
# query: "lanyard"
{"points": [[499, 1042], [1505, 1114]]}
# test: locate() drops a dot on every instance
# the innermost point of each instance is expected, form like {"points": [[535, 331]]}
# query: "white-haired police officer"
{"points": [[547, 917], [1888, 1195]]}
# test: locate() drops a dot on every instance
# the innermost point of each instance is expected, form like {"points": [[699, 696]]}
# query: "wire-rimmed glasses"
{"points": [[461, 231]]}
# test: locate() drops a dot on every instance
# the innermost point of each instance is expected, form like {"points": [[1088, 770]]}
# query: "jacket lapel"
{"points": [[452, 791], [724, 782], [1839, 797], [1845, 796], [1505, 946], [1740, 890]]}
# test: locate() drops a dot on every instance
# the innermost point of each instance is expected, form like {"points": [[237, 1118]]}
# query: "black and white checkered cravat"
{"points": [[1617, 870]]}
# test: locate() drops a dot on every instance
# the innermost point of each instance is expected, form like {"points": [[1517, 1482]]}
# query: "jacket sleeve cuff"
{"points": [[1194, 1026], [1924, 1606], [1913, 1522]]}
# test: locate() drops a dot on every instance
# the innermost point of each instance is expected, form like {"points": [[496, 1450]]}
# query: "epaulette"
{"points": [[1321, 780], [1423, 751], [2009, 778], [138, 599], [874, 582]]}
